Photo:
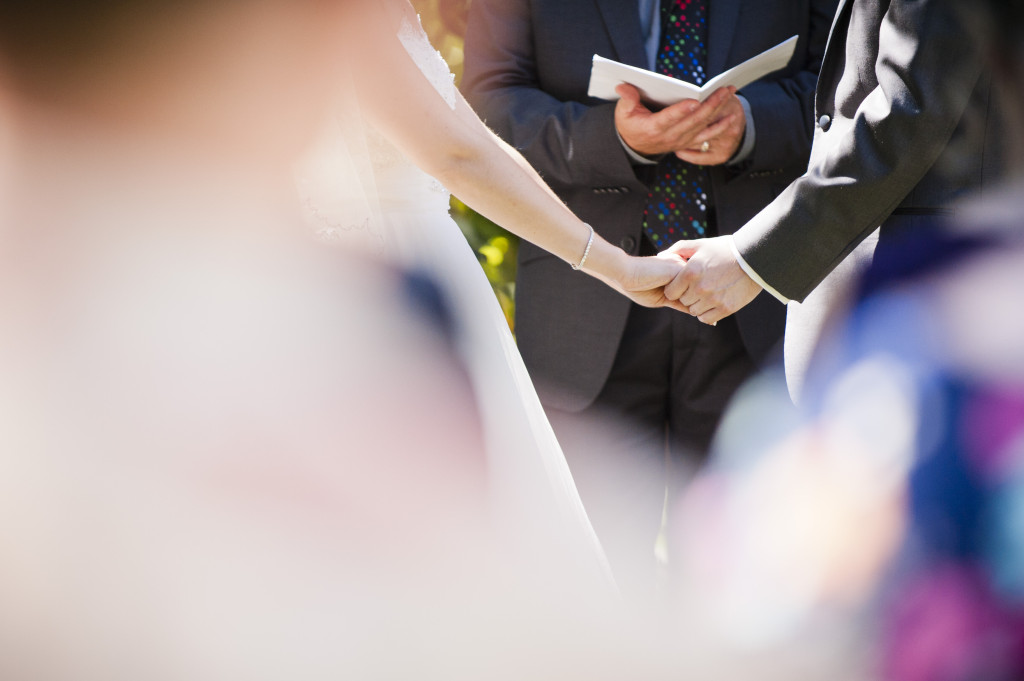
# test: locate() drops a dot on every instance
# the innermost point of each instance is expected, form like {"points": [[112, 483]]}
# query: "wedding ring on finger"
{"points": [[705, 146]]}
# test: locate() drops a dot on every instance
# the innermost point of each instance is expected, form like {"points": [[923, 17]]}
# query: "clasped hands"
{"points": [[702, 278]]}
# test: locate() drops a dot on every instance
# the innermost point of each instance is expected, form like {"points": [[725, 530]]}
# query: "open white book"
{"points": [[662, 90]]}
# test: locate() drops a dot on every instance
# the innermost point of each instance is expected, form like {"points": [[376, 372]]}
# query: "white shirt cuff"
{"points": [[754, 275]]}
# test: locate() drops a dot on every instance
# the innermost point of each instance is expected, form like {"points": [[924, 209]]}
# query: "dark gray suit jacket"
{"points": [[527, 70], [907, 123]]}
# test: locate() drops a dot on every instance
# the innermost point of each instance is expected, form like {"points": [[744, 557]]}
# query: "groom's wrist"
{"points": [[754, 276]]}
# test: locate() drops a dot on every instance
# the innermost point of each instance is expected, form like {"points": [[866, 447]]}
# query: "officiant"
{"points": [[644, 178]]}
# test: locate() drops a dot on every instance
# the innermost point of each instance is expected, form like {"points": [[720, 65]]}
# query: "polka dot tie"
{"points": [[678, 203]]}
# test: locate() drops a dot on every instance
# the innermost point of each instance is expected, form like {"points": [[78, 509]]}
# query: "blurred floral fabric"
{"points": [[955, 604], [951, 605]]}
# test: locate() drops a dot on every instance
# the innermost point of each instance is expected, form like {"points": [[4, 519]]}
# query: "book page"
{"points": [[654, 88], [661, 90], [755, 68]]}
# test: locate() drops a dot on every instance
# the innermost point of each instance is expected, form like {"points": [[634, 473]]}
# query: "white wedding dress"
{"points": [[362, 191]]}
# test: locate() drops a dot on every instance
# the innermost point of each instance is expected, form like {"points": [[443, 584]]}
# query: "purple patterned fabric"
{"points": [[952, 606]]}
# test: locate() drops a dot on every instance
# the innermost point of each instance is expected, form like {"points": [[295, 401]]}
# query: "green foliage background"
{"points": [[445, 23]]}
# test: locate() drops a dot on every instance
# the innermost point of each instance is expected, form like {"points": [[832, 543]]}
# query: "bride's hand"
{"points": [[641, 279], [646, 280]]}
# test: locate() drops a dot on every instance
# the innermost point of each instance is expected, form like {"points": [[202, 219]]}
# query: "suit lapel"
{"points": [[843, 4], [622, 18], [839, 10], [722, 18], [828, 77]]}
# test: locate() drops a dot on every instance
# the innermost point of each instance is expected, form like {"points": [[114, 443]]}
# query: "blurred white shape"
{"points": [[870, 416], [798, 526], [979, 311]]}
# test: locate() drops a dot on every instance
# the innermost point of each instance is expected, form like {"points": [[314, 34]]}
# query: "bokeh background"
{"points": [[445, 23]]}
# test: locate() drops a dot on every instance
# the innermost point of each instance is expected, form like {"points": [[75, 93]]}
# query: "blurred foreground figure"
{"points": [[221, 446], [887, 518], [882, 522]]}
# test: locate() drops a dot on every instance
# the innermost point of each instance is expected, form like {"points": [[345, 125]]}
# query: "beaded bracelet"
{"points": [[590, 242]]}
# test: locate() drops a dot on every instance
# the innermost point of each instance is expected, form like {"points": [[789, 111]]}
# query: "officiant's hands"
{"points": [[683, 128]]}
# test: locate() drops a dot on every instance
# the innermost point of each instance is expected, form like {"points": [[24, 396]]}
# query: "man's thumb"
{"points": [[630, 96]]}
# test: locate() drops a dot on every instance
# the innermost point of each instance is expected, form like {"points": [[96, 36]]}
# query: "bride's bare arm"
{"points": [[453, 145]]}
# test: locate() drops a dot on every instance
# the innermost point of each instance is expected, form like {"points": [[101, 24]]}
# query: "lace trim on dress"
{"points": [[336, 231], [432, 64], [337, 188]]}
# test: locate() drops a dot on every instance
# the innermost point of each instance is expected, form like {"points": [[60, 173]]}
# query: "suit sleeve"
{"points": [[570, 143], [783, 109], [927, 67]]}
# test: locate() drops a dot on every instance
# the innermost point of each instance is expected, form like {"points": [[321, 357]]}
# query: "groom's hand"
{"points": [[683, 127], [712, 285]]}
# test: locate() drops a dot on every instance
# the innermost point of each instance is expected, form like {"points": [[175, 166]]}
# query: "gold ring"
{"points": [[705, 146]]}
